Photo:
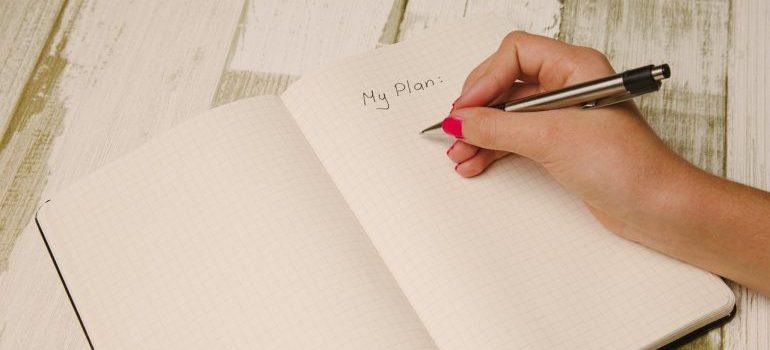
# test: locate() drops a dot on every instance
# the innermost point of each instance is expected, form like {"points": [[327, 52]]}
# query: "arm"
{"points": [[710, 222], [634, 185]]}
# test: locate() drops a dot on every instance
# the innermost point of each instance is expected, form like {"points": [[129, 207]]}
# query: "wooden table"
{"points": [[85, 81]]}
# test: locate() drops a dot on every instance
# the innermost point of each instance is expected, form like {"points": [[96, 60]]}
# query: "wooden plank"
{"points": [[279, 40], [316, 37], [689, 35], [113, 75], [748, 146], [692, 37], [292, 37], [541, 17], [24, 30]]}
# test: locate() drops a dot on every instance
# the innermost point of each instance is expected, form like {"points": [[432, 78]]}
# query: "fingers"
{"points": [[519, 90], [480, 162], [543, 64], [461, 151], [551, 63], [471, 160], [481, 69], [476, 73], [529, 134]]}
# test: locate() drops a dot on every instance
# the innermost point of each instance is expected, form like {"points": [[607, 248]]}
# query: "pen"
{"points": [[591, 94]]}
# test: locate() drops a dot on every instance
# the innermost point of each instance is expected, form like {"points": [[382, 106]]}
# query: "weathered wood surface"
{"points": [[110, 75], [748, 146], [24, 31], [276, 41]]}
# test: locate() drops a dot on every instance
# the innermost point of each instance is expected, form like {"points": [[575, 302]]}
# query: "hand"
{"points": [[609, 157]]}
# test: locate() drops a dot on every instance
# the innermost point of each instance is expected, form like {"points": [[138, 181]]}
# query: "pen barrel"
{"points": [[569, 97], [600, 92]]}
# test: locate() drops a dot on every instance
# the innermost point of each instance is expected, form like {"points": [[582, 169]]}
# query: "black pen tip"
{"points": [[432, 127]]}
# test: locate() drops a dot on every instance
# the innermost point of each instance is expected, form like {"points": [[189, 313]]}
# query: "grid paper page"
{"points": [[504, 260], [225, 234]]}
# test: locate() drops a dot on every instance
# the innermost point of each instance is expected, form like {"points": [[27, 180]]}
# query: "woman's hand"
{"points": [[610, 158]]}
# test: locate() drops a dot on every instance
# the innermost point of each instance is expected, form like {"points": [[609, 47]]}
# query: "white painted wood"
{"points": [[23, 32], [748, 146], [291, 37], [540, 17], [24, 29], [279, 40], [692, 37], [129, 70]]}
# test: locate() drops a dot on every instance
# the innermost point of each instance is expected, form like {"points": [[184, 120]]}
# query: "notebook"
{"points": [[320, 219]]}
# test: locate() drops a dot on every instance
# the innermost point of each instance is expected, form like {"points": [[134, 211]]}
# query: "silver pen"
{"points": [[591, 94]]}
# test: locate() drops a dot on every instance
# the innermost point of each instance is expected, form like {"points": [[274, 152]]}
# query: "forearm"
{"points": [[710, 222]]}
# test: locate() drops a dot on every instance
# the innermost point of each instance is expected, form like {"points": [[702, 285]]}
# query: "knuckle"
{"points": [[585, 63], [592, 56], [514, 36]]}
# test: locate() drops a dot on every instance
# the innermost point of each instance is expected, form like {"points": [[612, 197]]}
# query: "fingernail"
{"points": [[453, 125], [450, 148], [458, 164]]}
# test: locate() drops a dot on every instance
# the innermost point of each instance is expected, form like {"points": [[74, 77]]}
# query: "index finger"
{"points": [[552, 63]]}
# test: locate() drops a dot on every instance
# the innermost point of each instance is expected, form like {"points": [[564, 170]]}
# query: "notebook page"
{"points": [[225, 234], [504, 260]]}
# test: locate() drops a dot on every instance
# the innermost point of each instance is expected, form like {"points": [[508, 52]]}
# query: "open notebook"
{"points": [[320, 219]]}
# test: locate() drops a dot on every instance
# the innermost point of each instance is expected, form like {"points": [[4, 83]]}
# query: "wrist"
{"points": [[670, 201]]}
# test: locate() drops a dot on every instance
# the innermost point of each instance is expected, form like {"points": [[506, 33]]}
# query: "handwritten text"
{"points": [[382, 99]]}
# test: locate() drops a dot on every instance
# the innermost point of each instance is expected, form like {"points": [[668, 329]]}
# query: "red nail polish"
{"points": [[453, 125], [450, 148]]}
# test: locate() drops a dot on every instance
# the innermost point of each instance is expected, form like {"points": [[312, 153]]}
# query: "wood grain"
{"points": [[689, 35], [23, 35], [540, 17], [114, 75], [292, 37], [748, 146], [692, 37], [276, 41]]}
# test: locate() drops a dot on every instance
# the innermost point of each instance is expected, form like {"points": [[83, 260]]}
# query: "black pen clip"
{"points": [[609, 100]]}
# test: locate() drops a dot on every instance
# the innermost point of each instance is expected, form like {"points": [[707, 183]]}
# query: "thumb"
{"points": [[530, 134]]}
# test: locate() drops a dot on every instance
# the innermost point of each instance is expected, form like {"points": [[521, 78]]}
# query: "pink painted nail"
{"points": [[450, 148], [453, 125]]}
